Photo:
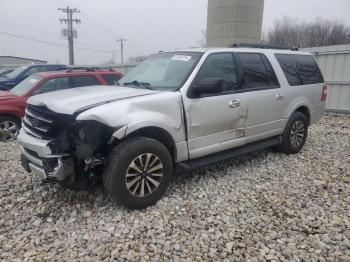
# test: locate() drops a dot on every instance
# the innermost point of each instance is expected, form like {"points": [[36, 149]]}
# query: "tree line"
{"points": [[320, 32]]}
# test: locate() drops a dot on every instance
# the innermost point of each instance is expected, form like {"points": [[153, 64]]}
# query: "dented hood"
{"points": [[70, 101]]}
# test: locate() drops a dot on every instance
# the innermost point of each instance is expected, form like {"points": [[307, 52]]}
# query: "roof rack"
{"points": [[88, 69], [264, 46]]}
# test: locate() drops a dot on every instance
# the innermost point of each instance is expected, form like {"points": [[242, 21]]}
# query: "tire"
{"points": [[9, 128], [297, 126], [119, 174]]}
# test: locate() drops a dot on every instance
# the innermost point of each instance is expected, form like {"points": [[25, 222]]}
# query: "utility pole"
{"points": [[122, 40], [70, 33]]}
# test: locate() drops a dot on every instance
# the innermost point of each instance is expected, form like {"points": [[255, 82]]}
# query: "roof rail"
{"points": [[264, 46], [88, 69]]}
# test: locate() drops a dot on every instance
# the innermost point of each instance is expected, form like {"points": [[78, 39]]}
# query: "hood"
{"points": [[6, 96], [74, 100], [4, 80], [6, 84]]}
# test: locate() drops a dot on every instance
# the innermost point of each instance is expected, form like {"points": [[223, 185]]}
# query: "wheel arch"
{"points": [[302, 108], [11, 111], [305, 110], [10, 115], [157, 133]]}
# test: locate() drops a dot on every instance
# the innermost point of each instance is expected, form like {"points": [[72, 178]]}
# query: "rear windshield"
{"points": [[300, 69], [26, 85]]}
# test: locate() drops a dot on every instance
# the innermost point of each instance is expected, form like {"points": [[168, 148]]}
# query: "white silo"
{"points": [[234, 21]]}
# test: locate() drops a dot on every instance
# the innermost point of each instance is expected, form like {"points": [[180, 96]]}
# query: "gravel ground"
{"points": [[262, 206]]}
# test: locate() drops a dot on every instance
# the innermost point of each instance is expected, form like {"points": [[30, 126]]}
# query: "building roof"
{"points": [[23, 58]]}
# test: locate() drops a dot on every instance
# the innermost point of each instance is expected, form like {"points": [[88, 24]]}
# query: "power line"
{"points": [[26, 27], [54, 43]]}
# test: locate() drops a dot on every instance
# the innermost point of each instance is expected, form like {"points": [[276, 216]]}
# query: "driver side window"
{"points": [[220, 66], [54, 84]]}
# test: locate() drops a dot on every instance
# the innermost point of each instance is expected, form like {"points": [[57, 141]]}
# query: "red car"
{"points": [[13, 102]]}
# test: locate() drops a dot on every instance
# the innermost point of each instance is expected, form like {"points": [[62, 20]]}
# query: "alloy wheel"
{"points": [[8, 130], [297, 133], [144, 175]]}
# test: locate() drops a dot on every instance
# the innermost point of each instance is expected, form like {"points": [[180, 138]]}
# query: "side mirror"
{"points": [[208, 86]]}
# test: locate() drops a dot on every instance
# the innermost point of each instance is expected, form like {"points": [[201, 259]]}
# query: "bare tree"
{"points": [[320, 32]]}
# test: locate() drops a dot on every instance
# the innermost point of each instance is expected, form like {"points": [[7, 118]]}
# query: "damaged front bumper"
{"points": [[37, 157]]}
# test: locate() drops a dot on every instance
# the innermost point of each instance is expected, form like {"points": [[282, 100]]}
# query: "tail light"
{"points": [[324, 93]]}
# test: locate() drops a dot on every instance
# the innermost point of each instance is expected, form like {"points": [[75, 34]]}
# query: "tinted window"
{"points": [[111, 79], [54, 85], [79, 81], [255, 71], [220, 66], [300, 69], [270, 72]]}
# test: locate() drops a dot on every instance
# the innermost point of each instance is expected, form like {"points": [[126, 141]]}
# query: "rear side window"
{"points": [[300, 69], [53, 84], [79, 81], [257, 71], [111, 79]]}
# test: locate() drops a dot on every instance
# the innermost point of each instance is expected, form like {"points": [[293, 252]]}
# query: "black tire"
{"points": [[288, 146], [118, 164], [4, 136]]}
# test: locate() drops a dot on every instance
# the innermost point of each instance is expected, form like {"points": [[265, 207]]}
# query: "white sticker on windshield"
{"points": [[33, 80], [184, 58]]}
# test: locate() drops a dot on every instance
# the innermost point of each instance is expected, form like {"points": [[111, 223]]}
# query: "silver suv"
{"points": [[176, 111]]}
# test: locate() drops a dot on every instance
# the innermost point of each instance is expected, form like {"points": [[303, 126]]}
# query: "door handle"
{"points": [[234, 103], [279, 96]]}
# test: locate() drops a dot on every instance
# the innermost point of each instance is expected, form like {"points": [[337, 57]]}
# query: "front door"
{"points": [[216, 121]]}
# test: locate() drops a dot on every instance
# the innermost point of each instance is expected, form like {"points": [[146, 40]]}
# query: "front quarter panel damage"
{"points": [[163, 110]]}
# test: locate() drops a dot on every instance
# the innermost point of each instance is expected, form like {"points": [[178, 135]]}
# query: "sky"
{"points": [[149, 26]]}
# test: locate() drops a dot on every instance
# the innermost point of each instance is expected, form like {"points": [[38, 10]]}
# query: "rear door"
{"points": [[215, 122], [263, 95]]}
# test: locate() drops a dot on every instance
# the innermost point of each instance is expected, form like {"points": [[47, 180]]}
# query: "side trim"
{"points": [[214, 158]]}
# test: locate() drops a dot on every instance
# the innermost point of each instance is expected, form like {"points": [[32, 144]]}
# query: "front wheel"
{"points": [[9, 128], [295, 134], [138, 172]]}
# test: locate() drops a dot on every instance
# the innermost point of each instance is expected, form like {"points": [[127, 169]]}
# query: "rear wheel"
{"points": [[9, 128], [138, 172], [295, 134]]}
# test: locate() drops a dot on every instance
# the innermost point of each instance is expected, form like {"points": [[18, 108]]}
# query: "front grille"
{"points": [[43, 123]]}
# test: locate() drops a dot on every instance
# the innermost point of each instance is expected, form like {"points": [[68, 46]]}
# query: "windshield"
{"points": [[16, 72], [163, 71], [26, 85]]}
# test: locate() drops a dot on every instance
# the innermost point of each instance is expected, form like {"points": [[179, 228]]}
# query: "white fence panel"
{"points": [[334, 62]]}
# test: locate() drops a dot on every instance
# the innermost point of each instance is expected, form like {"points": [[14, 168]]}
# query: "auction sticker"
{"points": [[184, 58], [33, 80]]}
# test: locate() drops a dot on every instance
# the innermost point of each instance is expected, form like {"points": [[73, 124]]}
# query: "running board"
{"points": [[228, 154]]}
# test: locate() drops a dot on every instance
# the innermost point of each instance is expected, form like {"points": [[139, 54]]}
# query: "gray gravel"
{"points": [[263, 206]]}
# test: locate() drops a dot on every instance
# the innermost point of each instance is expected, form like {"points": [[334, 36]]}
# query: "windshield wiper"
{"points": [[137, 83]]}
